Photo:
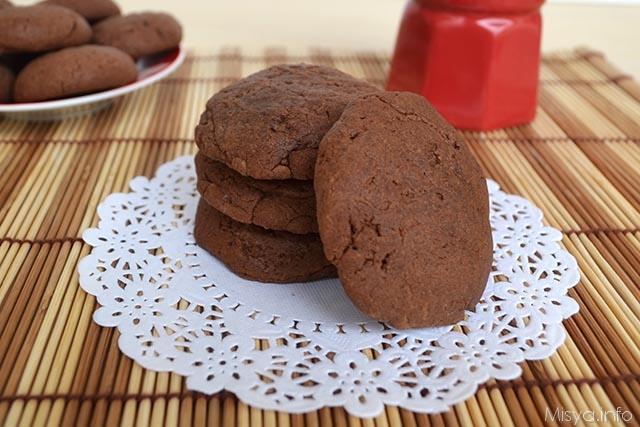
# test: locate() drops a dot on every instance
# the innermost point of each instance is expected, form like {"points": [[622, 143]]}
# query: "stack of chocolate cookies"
{"points": [[306, 172], [258, 141]]}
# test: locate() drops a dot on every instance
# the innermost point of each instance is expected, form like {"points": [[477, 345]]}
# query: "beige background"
{"points": [[372, 24]]}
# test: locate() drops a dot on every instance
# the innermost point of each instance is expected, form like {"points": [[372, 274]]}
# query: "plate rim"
{"points": [[99, 96]]}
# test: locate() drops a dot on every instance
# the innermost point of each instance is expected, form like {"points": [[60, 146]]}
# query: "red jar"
{"points": [[476, 61]]}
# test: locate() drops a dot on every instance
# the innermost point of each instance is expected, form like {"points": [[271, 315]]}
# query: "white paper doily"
{"points": [[179, 309]]}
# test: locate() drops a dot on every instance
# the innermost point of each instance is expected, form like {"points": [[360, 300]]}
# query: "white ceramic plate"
{"points": [[151, 70]]}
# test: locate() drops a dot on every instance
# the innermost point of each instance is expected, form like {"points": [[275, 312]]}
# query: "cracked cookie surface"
{"points": [[269, 125], [258, 254], [40, 28], [74, 71], [286, 205], [403, 212]]}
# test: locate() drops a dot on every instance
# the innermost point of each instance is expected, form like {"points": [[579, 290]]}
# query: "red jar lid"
{"points": [[504, 6]]}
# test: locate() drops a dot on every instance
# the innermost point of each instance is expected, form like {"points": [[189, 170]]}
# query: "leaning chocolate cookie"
{"points": [[6, 83], [139, 34], [258, 254], [92, 10], [403, 212], [269, 125], [41, 28], [74, 71], [286, 205]]}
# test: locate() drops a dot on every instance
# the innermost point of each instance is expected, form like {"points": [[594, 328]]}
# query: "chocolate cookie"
{"points": [[403, 212], [269, 125], [92, 10], [287, 205], [5, 4], [74, 71], [41, 28], [139, 34], [6, 83], [258, 254]]}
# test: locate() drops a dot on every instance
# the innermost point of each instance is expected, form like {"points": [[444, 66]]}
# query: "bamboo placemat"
{"points": [[579, 162]]}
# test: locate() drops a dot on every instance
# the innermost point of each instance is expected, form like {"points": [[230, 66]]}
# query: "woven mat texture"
{"points": [[579, 162]]}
